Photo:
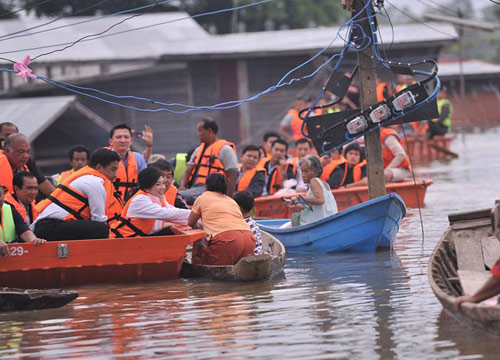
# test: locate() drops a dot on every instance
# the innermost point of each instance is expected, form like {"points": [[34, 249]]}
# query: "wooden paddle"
{"points": [[443, 150]]}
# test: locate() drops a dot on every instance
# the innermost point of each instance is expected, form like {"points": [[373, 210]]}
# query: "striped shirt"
{"points": [[256, 234]]}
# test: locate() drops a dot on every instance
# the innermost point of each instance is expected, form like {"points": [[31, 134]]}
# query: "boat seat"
{"points": [[469, 251], [491, 251]]}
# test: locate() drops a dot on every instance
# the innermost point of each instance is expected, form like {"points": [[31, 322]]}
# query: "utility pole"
{"points": [[367, 84]]}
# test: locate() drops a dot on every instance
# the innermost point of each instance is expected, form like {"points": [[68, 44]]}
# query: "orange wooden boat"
{"points": [[420, 147], [271, 207], [80, 262]]}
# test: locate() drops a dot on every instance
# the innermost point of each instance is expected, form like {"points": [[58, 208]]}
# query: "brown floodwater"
{"points": [[365, 305]]}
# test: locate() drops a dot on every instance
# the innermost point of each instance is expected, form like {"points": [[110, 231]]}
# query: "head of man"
{"points": [[300, 103], [336, 154], [269, 138], [279, 150], [353, 154], [250, 157], [17, 149], [207, 130], [105, 161], [78, 157], [120, 138], [167, 171], [303, 147], [25, 187], [7, 128]]}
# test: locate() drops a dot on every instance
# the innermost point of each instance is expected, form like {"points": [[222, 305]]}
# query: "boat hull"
{"points": [[82, 262], [271, 207], [424, 148], [364, 227]]}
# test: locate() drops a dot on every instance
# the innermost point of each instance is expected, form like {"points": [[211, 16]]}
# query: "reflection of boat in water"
{"points": [[33, 299], [413, 195], [460, 264], [364, 227], [251, 268], [79, 262]]}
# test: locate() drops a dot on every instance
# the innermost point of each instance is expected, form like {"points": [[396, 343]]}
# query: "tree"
{"points": [[7, 9], [276, 15]]}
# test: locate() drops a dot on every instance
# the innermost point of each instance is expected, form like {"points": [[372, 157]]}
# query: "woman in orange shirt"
{"points": [[229, 237]]}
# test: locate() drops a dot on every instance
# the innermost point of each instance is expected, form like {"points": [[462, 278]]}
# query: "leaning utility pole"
{"points": [[367, 86]]}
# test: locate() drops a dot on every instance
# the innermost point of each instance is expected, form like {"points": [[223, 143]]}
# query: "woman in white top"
{"points": [[319, 195], [145, 212]]}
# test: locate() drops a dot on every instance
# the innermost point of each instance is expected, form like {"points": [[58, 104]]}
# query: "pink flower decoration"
{"points": [[22, 70]]}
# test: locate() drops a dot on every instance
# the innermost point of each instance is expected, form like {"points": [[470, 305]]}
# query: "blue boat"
{"points": [[364, 227]]}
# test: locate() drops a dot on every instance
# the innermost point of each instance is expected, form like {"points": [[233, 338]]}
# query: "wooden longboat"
{"points": [[421, 147], [12, 299], [271, 207], [266, 266], [58, 264], [460, 265]]}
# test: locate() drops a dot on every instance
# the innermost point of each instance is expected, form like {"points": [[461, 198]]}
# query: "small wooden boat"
{"points": [[58, 264], [460, 265], [34, 299], [364, 227], [251, 268], [413, 194], [421, 147]]}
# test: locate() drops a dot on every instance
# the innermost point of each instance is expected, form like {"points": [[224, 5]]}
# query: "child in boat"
{"points": [[245, 201], [145, 211], [229, 237], [319, 196]]}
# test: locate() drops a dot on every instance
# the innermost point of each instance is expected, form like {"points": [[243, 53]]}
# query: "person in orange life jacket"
{"points": [[229, 237], [212, 156], [78, 158], [16, 157], [333, 170], [172, 196], [383, 90], [291, 124], [268, 139], [146, 210], [251, 177], [131, 162], [25, 193], [277, 168], [303, 148], [396, 161], [12, 227], [81, 207], [354, 169]]}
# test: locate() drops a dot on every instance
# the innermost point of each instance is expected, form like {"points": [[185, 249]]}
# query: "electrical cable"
{"points": [[51, 21], [24, 8], [441, 7]]}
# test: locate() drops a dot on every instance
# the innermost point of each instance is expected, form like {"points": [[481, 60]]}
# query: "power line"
{"points": [[419, 21], [444, 8], [51, 21]]}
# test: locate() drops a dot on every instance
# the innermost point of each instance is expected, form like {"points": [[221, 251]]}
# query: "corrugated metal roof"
{"points": [[302, 40], [471, 68], [33, 115], [145, 43]]}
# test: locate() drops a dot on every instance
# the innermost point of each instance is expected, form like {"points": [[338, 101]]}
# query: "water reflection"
{"points": [[376, 305]]}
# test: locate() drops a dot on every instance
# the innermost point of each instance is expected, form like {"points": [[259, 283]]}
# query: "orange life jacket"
{"points": [[20, 207], [65, 174], [262, 162], [76, 203], [330, 167], [357, 173], [246, 178], [171, 194], [207, 161], [383, 88], [296, 125], [7, 173], [130, 226], [126, 179], [275, 177], [387, 153]]}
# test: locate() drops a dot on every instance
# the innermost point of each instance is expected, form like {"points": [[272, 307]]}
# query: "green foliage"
{"points": [[6, 9]]}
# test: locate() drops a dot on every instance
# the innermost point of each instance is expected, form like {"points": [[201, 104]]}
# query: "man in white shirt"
{"points": [[81, 206]]}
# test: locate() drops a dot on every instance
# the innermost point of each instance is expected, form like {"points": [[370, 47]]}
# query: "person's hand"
{"points": [[4, 249], [38, 241], [147, 135], [458, 301]]}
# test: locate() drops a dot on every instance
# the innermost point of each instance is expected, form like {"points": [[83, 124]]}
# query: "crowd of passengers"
{"points": [[116, 192]]}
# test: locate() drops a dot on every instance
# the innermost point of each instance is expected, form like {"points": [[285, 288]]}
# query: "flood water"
{"points": [[370, 306]]}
